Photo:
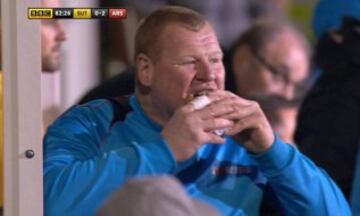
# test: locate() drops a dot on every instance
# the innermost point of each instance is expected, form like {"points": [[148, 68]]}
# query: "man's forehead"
{"points": [[178, 33], [50, 3]]}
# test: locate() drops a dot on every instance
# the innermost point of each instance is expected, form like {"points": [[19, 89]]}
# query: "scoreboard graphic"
{"points": [[77, 13]]}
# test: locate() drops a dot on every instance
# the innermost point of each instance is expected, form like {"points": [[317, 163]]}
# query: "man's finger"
{"points": [[217, 123], [253, 121], [215, 139], [224, 107], [220, 95], [240, 113]]}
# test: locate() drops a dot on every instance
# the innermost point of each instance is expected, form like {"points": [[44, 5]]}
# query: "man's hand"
{"points": [[251, 128], [189, 129]]}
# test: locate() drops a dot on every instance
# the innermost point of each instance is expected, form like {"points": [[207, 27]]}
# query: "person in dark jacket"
{"points": [[328, 128]]}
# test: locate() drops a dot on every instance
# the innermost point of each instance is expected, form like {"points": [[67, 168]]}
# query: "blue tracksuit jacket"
{"points": [[86, 159]]}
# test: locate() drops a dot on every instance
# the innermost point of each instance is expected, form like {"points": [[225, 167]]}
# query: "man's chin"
{"points": [[50, 67]]}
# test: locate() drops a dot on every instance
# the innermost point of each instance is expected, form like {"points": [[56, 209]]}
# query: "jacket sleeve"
{"points": [[299, 185], [79, 175]]}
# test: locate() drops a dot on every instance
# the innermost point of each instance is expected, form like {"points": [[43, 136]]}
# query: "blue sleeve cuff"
{"points": [[276, 158]]}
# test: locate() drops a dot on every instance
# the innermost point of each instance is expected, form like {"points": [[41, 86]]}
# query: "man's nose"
{"points": [[289, 92], [206, 72], [61, 34]]}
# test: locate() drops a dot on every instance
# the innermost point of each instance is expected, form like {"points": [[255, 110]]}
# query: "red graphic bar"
{"points": [[117, 13]]}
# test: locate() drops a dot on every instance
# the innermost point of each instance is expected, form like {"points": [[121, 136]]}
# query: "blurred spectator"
{"points": [[328, 128], [154, 196], [53, 34], [270, 64]]}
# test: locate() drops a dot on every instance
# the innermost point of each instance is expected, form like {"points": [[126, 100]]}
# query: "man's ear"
{"points": [[145, 69]]}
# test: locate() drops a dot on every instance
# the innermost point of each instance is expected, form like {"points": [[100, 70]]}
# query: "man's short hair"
{"points": [[150, 29]]}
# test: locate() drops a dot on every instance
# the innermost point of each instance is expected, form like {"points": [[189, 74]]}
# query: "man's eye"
{"points": [[278, 77], [215, 60], [190, 62]]}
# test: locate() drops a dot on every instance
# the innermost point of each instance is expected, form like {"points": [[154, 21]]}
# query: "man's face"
{"points": [[189, 63], [52, 36], [278, 72]]}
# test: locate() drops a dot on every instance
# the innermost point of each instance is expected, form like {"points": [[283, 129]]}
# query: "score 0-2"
{"points": [[100, 13]]}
